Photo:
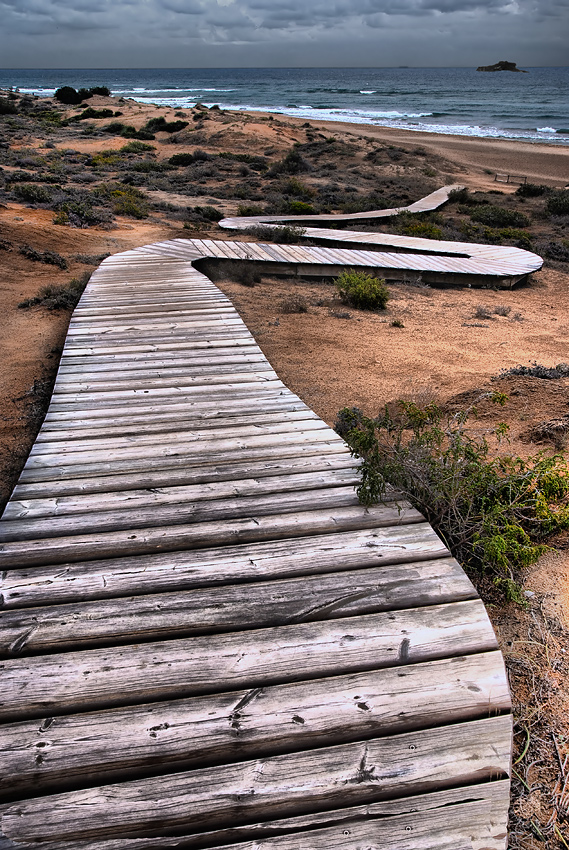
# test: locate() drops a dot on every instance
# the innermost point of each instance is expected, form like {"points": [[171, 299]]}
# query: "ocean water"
{"points": [[533, 106]]}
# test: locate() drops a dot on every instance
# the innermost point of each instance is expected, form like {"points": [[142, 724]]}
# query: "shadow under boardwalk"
{"points": [[207, 641]]}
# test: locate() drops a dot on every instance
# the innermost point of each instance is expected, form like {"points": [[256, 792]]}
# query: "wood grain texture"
{"points": [[276, 786], [77, 681], [72, 751], [288, 556], [231, 607]]}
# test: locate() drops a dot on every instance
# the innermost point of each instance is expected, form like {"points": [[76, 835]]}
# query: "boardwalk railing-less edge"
{"points": [[207, 641]]}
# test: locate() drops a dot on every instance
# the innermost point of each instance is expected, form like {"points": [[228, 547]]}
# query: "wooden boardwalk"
{"points": [[434, 261], [207, 642]]}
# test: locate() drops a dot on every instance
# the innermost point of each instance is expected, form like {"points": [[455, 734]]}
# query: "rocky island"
{"points": [[501, 66]]}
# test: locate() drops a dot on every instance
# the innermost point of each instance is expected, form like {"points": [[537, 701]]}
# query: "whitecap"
{"points": [[546, 129], [368, 91]]}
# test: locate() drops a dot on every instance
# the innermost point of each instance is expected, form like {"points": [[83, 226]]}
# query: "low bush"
{"points": [[94, 113], [362, 291], [69, 96], [294, 304], [249, 210], [494, 514], [423, 230], [288, 234], [160, 125], [181, 159], [495, 216], [58, 297], [537, 370], [32, 193], [557, 251], [208, 213], [146, 166], [49, 257], [531, 190], [558, 203], [125, 200], [136, 147], [293, 163], [300, 208], [7, 106], [127, 131]]}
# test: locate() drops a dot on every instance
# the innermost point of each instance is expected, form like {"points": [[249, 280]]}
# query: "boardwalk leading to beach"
{"points": [[206, 641]]}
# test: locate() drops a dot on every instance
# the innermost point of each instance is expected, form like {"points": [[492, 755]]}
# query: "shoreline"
{"points": [[538, 161]]}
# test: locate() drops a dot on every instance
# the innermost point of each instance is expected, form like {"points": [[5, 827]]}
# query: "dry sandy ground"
{"points": [[333, 357]]}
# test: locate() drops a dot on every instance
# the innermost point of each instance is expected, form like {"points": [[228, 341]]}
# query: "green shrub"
{"points": [[494, 514], [58, 297], [115, 128], [537, 370], [209, 213], [288, 234], [136, 147], [94, 113], [181, 159], [32, 193], [531, 190], [7, 107], [293, 163], [423, 229], [160, 125], [293, 186], [149, 165], [495, 216], [127, 131], [49, 257], [126, 200], [300, 208], [558, 203], [249, 210], [71, 97], [68, 95], [362, 291]]}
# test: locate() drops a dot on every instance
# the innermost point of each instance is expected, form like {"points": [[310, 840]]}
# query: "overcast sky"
{"points": [[281, 33]]}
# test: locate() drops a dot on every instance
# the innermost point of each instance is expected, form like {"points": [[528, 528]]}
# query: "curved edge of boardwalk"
{"points": [[206, 641], [434, 261]]}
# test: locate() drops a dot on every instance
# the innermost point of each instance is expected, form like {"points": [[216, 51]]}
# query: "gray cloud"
{"points": [[260, 32]]}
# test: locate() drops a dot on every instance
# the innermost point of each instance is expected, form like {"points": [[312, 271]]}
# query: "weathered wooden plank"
{"points": [[241, 397], [135, 364], [129, 518], [97, 678], [225, 467], [29, 509], [488, 834], [406, 546], [201, 731], [188, 453], [230, 608], [110, 544], [188, 386], [93, 447], [205, 419], [277, 786], [67, 386], [72, 352], [32, 509]]}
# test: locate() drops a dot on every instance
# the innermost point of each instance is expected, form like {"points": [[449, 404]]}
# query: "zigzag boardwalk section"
{"points": [[206, 641]]}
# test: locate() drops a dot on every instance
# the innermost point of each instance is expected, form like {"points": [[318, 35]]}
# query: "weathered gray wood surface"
{"points": [[206, 640]]}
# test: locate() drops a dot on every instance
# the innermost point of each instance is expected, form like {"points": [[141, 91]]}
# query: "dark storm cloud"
{"points": [[310, 32]]}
